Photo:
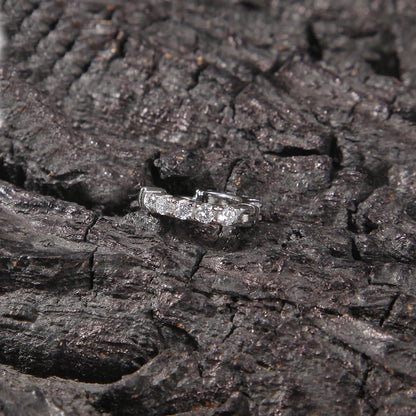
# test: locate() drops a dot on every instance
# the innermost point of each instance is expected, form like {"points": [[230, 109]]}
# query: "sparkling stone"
{"points": [[183, 210], [165, 205], [228, 216], [149, 202], [204, 213], [161, 206]]}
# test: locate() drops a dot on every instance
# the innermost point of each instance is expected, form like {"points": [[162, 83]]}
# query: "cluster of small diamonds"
{"points": [[184, 209], [209, 214], [160, 202], [204, 213], [229, 215]]}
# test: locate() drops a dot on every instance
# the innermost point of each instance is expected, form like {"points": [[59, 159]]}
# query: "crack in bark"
{"points": [[362, 389], [230, 172], [13, 173], [230, 332], [196, 75], [315, 50], [197, 264], [91, 268], [185, 337], [237, 87], [355, 252], [90, 226], [292, 151], [389, 309]]}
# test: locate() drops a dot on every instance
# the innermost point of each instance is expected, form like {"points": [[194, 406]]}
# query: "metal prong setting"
{"points": [[206, 207]]}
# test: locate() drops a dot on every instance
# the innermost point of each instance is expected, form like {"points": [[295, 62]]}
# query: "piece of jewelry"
{"points": [[206, 207]]}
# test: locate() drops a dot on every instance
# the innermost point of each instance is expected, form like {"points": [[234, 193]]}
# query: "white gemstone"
{"points": [[166, 205], [161, 206], [204, 213], [149, 202], [183, 210], [228, 216]]}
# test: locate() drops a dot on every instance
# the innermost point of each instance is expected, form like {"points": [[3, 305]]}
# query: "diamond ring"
{"points": [[206, 207]]}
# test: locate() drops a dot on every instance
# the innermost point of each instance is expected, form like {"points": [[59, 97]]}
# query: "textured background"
{"points": [[308, 105]]}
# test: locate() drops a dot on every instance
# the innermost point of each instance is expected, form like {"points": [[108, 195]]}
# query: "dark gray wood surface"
{"points": [[309, 106]]}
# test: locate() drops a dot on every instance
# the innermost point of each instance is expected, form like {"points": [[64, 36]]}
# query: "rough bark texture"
{"points": [[307, 105]]}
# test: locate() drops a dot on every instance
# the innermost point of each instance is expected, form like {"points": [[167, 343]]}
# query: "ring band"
{"points": [[206, 207]]}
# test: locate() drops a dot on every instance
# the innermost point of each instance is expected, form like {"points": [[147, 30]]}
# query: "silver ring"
{"points": [[206, 207]]}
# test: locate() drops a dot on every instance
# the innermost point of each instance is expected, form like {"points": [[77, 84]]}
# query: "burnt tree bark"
{"points": [[309, 106]]}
